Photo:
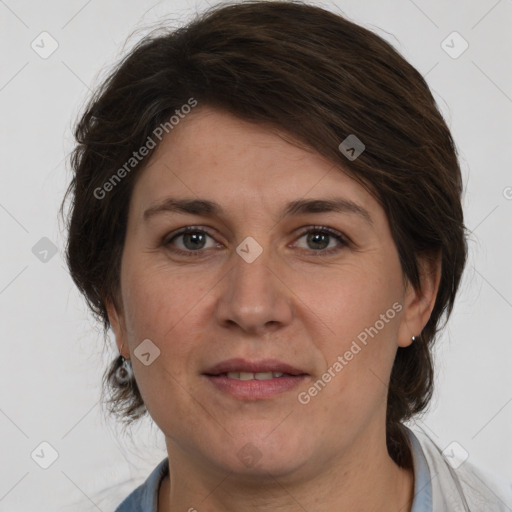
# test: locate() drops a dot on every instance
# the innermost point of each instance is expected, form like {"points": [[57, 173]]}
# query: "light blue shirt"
{"points": [[422, 478], [145, 497]]}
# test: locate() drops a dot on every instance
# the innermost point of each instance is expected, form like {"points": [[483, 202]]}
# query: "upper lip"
{"points": [[242, 365]]}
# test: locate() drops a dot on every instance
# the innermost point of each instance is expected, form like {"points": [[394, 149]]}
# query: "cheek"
{"points": [[160, 307], [346, 301], [167, 307], [359, 313], [157, 299]]}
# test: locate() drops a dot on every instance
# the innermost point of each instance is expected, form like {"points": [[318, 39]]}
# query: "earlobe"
{"points": [[418, 304]]}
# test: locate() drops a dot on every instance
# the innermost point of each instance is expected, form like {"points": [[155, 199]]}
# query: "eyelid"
{"points": [[325, 229], [187, 229], [341, 237]]}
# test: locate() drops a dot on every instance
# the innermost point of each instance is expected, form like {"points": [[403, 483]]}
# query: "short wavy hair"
{"points": [[317, 76]]}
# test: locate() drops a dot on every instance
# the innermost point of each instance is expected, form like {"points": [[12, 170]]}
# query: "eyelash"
{"points": [[311, 229]]}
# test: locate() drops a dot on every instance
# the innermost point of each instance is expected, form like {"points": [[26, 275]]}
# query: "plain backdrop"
{"points": [[53, 354]]}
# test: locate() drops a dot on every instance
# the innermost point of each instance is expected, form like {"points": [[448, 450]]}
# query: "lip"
{"points": [[242, 365], [254, 389]]}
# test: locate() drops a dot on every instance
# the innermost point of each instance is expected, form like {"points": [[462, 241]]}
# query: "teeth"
{"points": [[251, 376], [263, 376]]}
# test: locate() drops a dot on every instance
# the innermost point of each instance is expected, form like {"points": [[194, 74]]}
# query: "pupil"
{"points": [[314, 238], [195, 237]]}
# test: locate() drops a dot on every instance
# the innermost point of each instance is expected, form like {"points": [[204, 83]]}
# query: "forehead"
{"points": [[239, 164]]}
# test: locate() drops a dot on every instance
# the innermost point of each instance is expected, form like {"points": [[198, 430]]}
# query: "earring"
{"points": [[413, 339], [124, 372]]}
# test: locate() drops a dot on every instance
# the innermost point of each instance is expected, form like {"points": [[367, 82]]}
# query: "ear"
{"points": [[418, 305], [116, 320]]}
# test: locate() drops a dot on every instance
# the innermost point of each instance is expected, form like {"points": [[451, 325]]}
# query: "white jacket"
{"points": [[460, 487]]}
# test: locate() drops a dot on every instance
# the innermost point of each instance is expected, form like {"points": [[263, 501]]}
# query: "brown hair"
{"points": [[320, 78]]}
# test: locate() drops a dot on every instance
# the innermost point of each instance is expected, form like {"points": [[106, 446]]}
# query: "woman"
{"points": [[267, 212]]}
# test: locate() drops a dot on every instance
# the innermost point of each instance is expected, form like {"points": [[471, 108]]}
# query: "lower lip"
{"points": [[255, 389]]}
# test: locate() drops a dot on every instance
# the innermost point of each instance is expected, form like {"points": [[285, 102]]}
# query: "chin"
{"points": [[256, 452], [262, 465]]}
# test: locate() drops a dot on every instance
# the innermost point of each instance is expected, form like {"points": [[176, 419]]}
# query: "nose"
{"points": [[254, 297]]}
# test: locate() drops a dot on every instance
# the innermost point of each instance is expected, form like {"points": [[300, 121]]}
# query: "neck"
{"points": [[365, 479]]}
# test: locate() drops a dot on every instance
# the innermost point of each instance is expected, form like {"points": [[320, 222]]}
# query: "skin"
{"points": [[295, 303]]}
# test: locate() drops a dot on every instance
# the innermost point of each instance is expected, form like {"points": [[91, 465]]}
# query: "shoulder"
{"points": [[145, 497], [460, 485]]}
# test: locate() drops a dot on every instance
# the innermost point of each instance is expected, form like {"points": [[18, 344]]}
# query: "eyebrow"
{"points": [[209, 208]]}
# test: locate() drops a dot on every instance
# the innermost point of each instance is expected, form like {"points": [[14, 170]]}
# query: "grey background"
{"points": [[52, 351]]}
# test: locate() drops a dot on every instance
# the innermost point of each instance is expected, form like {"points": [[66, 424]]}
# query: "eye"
{"points": [[192, 240], [319, 238]]}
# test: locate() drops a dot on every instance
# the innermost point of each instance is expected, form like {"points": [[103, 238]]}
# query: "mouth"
{"points": [[254, 380]]}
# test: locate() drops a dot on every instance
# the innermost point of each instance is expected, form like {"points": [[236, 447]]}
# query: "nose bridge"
{"points": [[253, 297]]}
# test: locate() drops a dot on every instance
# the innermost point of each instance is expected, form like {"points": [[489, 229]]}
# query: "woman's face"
{"points": [[262, 284]]}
